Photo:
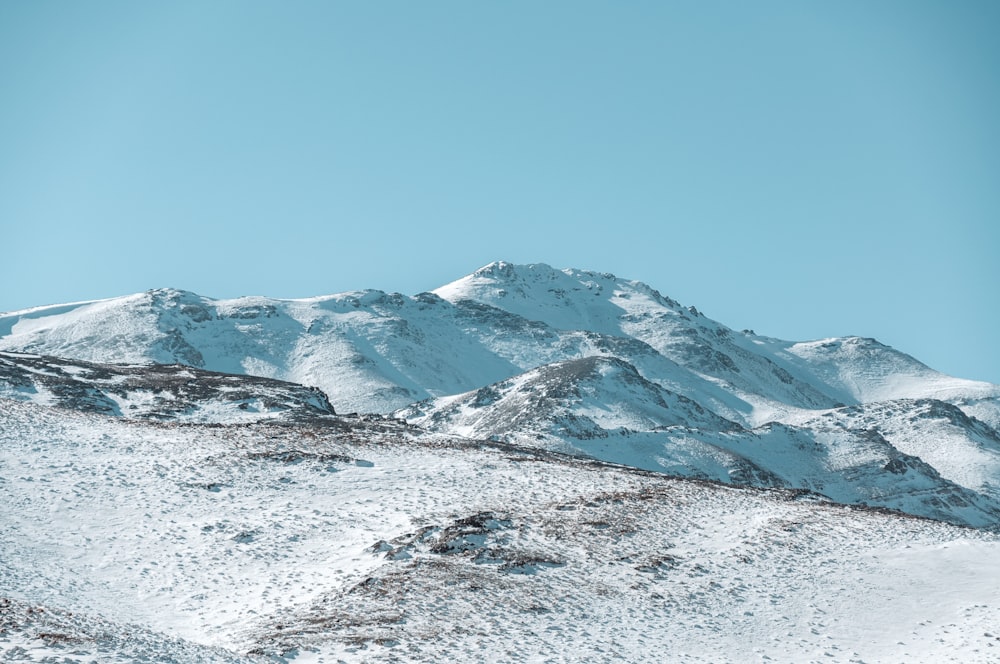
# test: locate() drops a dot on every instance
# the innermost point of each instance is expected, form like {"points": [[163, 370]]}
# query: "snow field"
{"points": [[374, 542]]}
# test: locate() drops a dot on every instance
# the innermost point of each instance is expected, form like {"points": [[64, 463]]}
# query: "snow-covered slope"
{"points": [[166, 392], [921, 457], [369, 351], [962, 449], [366, 540], [860, 370], [578, 399], [565, 360]]}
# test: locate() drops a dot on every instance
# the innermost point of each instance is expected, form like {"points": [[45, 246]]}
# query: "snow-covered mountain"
{"points": [[179, 488], [576, 361], [375, 352], [771, 377]]}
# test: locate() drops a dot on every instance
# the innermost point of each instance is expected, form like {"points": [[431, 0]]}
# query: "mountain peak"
{"points": [[169, 291], [496, 269], [504, 271]]}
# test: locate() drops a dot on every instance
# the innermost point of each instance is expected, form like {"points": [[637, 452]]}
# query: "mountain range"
{"points": [[581, 362], [526, 463]]}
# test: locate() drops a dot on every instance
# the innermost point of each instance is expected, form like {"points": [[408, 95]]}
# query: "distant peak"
{"points": [[848, 342], [506, 270], [506, 281], [172, 294], [496, 269]]}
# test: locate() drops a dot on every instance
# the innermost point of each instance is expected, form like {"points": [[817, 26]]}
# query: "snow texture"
{"points": [[568, 466], [367, 540]]}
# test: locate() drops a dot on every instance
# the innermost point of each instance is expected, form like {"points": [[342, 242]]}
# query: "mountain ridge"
{"points": [[582, 362], [376, 338]]}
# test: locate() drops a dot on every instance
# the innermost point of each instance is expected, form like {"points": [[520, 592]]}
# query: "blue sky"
{"points": [[805, 169]]}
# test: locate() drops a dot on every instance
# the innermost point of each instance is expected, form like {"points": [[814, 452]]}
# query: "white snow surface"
{"points": [[376, 352], [922, 457], [488, 356], [352, 539]]}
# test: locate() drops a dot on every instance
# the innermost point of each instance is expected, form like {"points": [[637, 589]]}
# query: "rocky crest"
{"points": [[171, 392]]}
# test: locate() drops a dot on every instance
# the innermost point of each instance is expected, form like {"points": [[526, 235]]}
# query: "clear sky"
{"points": [[805, 169]]}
